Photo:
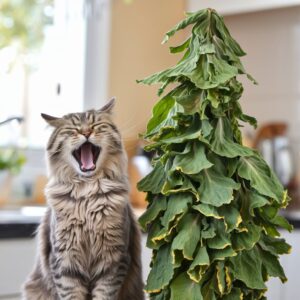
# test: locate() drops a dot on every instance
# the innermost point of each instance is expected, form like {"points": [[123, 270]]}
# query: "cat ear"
{"points": [[108, 108], [52, 121]]}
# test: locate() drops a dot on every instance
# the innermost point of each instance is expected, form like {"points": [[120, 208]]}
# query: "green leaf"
{"points": [[247, 268], [188, 236], [177, 206], [189, 97], [206, 128], [208, 230], [193, 160], [221, 240], [12, 160], [272, 265], [154, 181], [157, 205], [154, 233], [222, 141], [162, 114], [210, 72], [221, 254], [208, 290], [238, 113], [216, 189], [182, 287], [186, 65], [261, 177], [208, 210], [161, 272], [226, 37], [163, 295], [181, 47], [199, 265], [256, 201], [274, 245], [214, 234], [228, 213], [231, 216], [246, 239], [235, 294], [191, 18], [193, 133], [282, 222], [178, 183], [221, 278], [251, 201]]}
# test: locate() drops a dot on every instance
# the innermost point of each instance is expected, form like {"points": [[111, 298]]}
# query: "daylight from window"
{"points": [[32, 46]]}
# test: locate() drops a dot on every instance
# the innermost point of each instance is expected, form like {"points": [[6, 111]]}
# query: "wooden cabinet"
{"points": [[230, 7]]}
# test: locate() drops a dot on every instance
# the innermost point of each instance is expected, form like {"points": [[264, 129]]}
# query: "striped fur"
{"points": [[89, 241]]}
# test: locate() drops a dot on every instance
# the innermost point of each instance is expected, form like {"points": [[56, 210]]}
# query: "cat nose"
{"points": [[87, 133]]}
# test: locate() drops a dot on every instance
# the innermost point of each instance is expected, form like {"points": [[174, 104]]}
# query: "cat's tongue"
{"points": [[86, 157]]}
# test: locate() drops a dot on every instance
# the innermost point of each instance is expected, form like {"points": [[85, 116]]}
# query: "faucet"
{"points": [[19, 119]]}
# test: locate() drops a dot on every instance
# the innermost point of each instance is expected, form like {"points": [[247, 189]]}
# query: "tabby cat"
{"points": [[89, 242]]}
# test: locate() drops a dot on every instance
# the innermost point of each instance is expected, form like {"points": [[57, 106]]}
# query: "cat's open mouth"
{"points": [[86, 156]]}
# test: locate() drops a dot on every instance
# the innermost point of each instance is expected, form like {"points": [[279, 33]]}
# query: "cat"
{"points": [[89, 241]]}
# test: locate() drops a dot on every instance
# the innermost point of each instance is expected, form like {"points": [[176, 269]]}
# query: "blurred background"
{"points": [[61, 56]]}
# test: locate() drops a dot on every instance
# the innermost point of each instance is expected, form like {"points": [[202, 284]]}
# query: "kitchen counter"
{"points": [[18, 250], [20, 223]]}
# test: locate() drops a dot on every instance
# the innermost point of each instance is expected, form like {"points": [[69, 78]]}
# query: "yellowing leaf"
{"points": [[221, 278], [157, 205], [222, 239], [188, 236], [178, 183], [221, 254], [216, 189], [246, 239], [228, 213], [193, 160], [177, 206], [199, 265]]}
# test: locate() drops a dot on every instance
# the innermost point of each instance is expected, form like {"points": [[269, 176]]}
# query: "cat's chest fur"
{"points": [[90, 220]]}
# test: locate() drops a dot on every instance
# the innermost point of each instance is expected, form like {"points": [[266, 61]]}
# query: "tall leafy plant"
{"points": [[212, 218]]}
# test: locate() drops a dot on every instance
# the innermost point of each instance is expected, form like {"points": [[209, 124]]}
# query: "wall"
{"points": [[271, 39], [136, 52]]}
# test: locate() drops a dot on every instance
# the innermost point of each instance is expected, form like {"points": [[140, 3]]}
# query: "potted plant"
{"points": [[212, 218], [11, 161]]}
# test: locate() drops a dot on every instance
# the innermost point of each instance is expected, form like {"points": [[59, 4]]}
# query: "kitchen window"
{"points": [[64, 71]]}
